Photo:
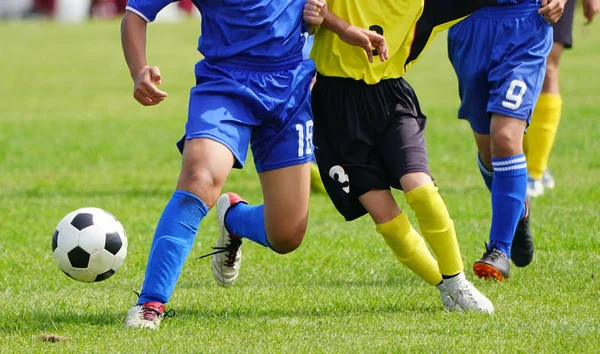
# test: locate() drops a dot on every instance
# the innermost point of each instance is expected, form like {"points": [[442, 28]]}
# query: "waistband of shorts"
{"points": [[496, 12], [258, 64], [346, 81]]}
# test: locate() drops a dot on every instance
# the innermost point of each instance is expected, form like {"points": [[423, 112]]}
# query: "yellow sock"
{"points": [[541, 133], [436, 226], [410, 248]]}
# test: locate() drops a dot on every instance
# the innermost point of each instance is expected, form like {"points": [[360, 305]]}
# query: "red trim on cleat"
{"points": [[483, 270], [235, 199]]}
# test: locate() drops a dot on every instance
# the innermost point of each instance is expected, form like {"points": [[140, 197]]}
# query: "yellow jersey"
{"points": [[407, 25]]}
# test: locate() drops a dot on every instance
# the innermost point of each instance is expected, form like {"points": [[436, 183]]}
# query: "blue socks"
{"points": [[509, 187], [172, 243], [248, 221]]}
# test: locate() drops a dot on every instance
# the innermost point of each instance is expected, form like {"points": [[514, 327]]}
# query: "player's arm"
{"points": [[316, 13], [133, 40], [552, 10], [590, 9]]}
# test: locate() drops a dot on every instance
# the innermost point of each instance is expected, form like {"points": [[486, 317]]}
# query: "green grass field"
{"points": [[71, 136]]}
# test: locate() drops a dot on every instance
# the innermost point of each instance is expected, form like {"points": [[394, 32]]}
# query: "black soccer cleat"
{"points": [[522, 248], [493, 264]]}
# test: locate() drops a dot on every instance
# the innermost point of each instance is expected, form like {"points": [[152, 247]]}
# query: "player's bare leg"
{"points": [[541, 134], [206, 164], [286, 193]]}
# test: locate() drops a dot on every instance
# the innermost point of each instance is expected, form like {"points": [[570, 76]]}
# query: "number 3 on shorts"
{"points": [[301, 137], [514, 100]]}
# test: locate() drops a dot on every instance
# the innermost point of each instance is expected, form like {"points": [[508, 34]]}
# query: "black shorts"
{"points": [[563, 29], [366, 137]]}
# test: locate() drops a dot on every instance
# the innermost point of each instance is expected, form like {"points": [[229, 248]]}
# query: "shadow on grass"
{"points": [[52, 321]]}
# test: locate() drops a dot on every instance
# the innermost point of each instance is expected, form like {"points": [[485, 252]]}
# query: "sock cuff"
{"points": [[421, 192], [548, 100], [185, 195], [483, 168], [400, 223], [510, 166]]}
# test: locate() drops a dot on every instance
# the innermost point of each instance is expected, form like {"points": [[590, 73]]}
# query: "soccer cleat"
{"points": [[535, 187], [522, 248], [227, 258], [147, 315], [316, 184], [449, 304], [548, 179], [493, 264], [466, 296]]}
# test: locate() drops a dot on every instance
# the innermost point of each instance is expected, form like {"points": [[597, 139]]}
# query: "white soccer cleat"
{"points": [[227, 258], [466, 296], [548, 179], [535, 188], [449, 304], [147, 315]]}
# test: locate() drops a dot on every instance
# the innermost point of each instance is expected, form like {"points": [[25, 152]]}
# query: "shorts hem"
{"points": [[275, 166]]}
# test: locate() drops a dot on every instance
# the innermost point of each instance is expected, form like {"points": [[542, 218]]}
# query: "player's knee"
{"points": [[505, 143], [286, 238], [200, 182]]}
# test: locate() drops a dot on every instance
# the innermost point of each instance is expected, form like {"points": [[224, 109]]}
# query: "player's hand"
{"points": [[367, 40], [552, 10], [144, 86], [315, 11], [590, 9]]}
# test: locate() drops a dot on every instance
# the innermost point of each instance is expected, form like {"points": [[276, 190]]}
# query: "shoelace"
{"points": [[231, 248], [150, 314], [494, 254]]}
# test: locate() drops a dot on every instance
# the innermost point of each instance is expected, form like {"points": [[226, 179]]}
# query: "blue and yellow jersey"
{"points": [[407, 25]]}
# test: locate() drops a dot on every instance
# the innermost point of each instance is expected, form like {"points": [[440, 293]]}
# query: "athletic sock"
{"points": [[248, 221], [172, 243], [487, 174], [508, 199], [541, 133], [410, 248], [437, 227]]}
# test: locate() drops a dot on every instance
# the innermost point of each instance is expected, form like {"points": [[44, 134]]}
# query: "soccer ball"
{"points": [[89, 244]]}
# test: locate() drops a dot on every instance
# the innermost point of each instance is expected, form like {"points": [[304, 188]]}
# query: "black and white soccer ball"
{"points": [[89, 244]]}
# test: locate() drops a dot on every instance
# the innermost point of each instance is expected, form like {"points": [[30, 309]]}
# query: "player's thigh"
{"points": [[404, 151], [286, 194], [220, 109], [205, 166], [518, 68]]}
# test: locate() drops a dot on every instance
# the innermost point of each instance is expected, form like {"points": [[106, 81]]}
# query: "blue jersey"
{"points": [[241, 31]]}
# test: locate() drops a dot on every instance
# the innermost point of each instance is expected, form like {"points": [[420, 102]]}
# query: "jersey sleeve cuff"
{"points": [[137, 12]]}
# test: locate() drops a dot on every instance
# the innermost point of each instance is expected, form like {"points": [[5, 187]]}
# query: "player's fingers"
{"points": [[155, 75], [383, 52], [545, 10], [369, 50], [149, 90], [141, 98]]}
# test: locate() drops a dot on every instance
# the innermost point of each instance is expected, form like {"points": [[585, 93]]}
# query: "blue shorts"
{"points": [[499, 56], [270, 110]]}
